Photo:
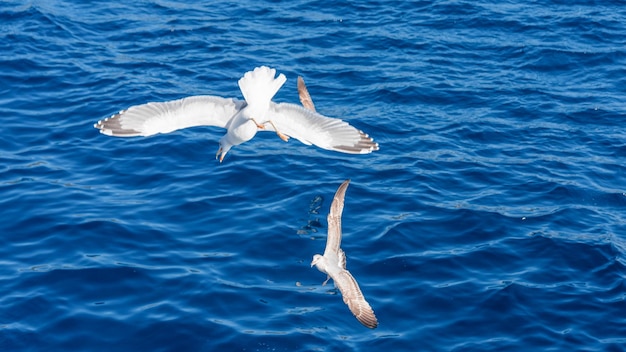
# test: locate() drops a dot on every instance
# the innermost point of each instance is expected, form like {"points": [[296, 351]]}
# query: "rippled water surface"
{"points": [[491, 219]]}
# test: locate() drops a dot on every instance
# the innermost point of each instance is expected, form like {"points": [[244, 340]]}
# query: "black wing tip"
{"points": [[365, 145], [111, 126], [368, 319], [372, 324], [367, 141]]}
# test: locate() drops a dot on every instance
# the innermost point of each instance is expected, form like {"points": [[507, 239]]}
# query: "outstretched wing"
{"points": [[305, 97], [353, 297], [164, 117], [327, 133], [333, 242]]}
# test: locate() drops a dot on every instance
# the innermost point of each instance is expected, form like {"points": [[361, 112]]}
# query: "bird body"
{"points": [[258, 88], [240, 129]]}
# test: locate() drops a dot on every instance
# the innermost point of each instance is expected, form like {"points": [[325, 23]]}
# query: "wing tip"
{"points": [[106, 132], [368, 142], [111, 126], [366, 315], [369, 320], [364, 145]]}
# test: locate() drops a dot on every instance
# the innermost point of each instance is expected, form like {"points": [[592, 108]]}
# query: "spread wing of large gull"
{"points": [[310, 127], [333, 263], [165, 117]]}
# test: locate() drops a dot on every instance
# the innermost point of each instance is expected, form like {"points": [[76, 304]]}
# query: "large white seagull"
{"points": [[242, 118]]}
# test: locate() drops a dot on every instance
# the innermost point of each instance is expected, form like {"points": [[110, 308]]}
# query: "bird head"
{"points": [[316, 259], [224, 148]]}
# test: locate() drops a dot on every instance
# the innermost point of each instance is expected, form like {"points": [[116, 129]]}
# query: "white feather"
{"points": [[259, 87]]}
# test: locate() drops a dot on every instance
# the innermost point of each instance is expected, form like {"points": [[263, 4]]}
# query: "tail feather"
{"points": [[259, 86]]}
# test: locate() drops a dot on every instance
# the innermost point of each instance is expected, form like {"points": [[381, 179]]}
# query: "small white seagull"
{"points": [[242, 118], [333, 264]]}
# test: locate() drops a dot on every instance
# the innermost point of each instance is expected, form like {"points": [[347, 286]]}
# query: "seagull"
{"points": [[333, 264], [242, 119]]}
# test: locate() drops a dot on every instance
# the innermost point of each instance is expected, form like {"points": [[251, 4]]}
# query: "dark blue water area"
{"points": [[493, 217]]}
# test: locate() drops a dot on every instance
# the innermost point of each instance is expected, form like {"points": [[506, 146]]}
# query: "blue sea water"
{"points": [[491, 219]]}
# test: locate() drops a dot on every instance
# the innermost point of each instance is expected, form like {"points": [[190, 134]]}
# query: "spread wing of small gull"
{"points": [[333, 263], [242, 118]]}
